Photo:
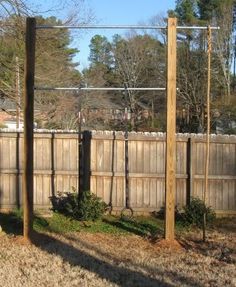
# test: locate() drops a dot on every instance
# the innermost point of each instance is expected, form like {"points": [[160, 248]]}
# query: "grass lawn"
{"points": [[115, 252], [58, 223]]}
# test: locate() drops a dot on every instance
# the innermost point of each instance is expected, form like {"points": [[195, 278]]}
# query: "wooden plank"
{"points": [[140, 157], [107, 189], [5, 153], [93, 183], [132, 156], [155, 158], [218, 194], [212, 159], [139, 192], [153, 193], [147, 157], [47, 191], [107, 149], [171, 130], [120, 194], [28, 186], [146, 192], [200, 157], [219, 158], [180, 194], [5, 186], [232, 195], [225, 188], [160, 193], [100, 155], [38, 190], [46, 164], [120, 156], [66, 155], [73, 152], [225, 157], [133, 193], [12, 152], [93, 155], [100, 187], [58, 154], [232, 160], [189, 170], [1, 153], [216, 177], [13, 190]]}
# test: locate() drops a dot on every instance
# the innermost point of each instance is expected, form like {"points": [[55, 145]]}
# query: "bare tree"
{"points": [[139, 62], [224, 46]]}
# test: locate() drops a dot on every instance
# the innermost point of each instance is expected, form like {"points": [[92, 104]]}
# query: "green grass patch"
{"points": [[59, 223], [143, 226]]}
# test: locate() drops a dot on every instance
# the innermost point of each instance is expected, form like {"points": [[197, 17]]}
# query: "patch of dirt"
{"points": [[86, 259]]}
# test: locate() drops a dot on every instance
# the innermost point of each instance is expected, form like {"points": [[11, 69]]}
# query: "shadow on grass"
{"points": [[132, 226], [11, 223], [112, 271], [102, 264], [116, 274]]}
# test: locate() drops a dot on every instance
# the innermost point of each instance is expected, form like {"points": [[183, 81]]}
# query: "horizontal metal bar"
{"points": [[136, 27], [100, 27], [97, 89], [197, 27]]}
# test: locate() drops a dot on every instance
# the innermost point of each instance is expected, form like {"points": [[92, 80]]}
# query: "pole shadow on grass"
{"points": [[135, 227], [178, 278], [119, 275], [11, 223]]}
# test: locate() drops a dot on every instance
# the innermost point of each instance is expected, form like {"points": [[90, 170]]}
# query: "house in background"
{"points": [[8, 114]]}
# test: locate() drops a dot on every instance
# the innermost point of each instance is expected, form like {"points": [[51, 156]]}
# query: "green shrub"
{"points": [[87, 206], [90, 207], [193, 213]]}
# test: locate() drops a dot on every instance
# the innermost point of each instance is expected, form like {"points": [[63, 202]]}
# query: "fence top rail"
{"points": [[4, 132], [135, 27]]}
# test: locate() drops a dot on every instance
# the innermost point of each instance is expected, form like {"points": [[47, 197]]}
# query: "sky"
{"points": [[120, 12]]}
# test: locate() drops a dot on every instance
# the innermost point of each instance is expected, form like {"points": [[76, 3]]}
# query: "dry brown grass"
{"points": [[85, 259]]}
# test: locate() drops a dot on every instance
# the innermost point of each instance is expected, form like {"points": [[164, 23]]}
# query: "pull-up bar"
{"points": [[96, 89], [170, 181], [135, 27]]}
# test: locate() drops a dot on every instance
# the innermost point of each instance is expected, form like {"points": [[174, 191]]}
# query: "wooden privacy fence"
{"points": [[59, 166]]}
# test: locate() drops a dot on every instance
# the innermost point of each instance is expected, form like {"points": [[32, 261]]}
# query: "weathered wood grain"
{"points": [[147, 181]]}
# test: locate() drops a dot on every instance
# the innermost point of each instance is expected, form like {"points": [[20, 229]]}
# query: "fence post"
{"points": [[18, 169], [28, 188], [170, 185], [86, 160], [189, 166]]}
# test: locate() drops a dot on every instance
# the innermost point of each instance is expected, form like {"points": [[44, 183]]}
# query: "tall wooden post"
{"points": [[170, 186], [208, 127], [28, 187]]}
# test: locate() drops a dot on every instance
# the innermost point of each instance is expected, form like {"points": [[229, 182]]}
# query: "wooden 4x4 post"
{"points": [[28, 187], [170, 186]]}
